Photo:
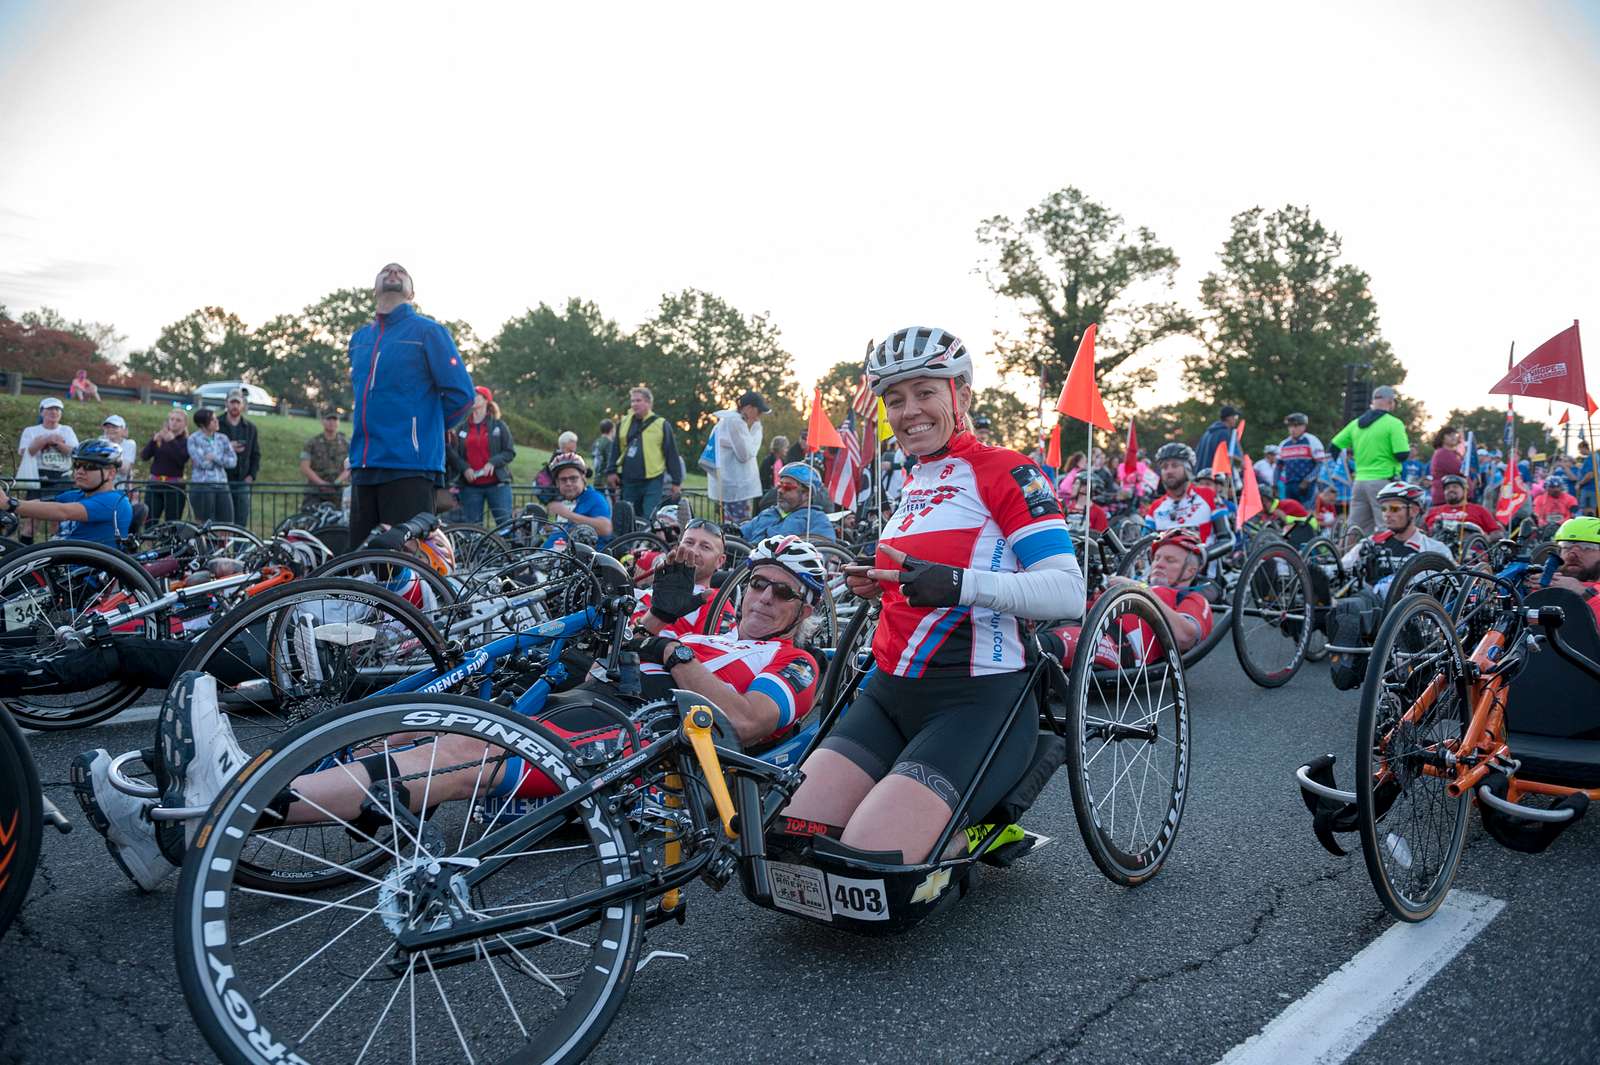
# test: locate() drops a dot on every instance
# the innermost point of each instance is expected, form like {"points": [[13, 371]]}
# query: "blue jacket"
{"points": [[409, 383], [771, 522]]}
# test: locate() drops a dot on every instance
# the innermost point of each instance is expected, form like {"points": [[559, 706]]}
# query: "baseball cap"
{"points": [[239, 395], [753, 399], [1228, 411], [486, 392], [1383, 392], [1271, 449], [51, 401], [115, 419], [329, 412]]}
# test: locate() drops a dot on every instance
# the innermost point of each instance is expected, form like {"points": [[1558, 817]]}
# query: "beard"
{"points": [[1588, 574]]}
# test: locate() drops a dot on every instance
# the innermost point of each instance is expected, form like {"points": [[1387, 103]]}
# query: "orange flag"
{"points": [[1250, 500], [820, 432], [1592, 405], [1565, 417], [1080, 396], [1052, 456], [1238, 435], [1221, 464]]}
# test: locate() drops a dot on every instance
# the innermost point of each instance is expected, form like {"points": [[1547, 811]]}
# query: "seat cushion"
{"points": [[1556, 760]]}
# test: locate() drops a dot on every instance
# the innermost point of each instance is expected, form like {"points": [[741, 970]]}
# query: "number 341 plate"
{"points": [[813, 893]]}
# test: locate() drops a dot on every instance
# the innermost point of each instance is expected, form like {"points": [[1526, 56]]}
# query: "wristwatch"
{"points": [[680, 656], [12, 503]]}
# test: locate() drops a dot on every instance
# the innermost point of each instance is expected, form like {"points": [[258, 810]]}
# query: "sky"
{"points": [[826, 164]]}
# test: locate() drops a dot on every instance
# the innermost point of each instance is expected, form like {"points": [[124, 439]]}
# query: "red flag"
{"points": [[1592, 405], [1564, 418], [1221, 465], [1052, 456], [862, 404], [1250, 501], [820, 432], [1553, 370], [1238, 438], [1130, 459], [1511, 497], [1080, 396]]}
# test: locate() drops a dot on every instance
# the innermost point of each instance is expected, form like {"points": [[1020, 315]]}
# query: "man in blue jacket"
{"points": [[794, 512], [409, 384]]}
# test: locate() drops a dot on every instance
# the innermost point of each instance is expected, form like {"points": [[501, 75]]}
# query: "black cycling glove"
{"points": [[391, 539], [651, 649], [672, 594], [930, 583]]}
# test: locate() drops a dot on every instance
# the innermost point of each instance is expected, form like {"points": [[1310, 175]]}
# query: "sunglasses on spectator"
{"points": [[779, 591], [707, 524]]}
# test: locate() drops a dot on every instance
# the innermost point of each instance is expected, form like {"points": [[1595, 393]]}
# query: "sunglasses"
{"points": [[779, 591], [707, 524], [1394, 508], [77, 466]]}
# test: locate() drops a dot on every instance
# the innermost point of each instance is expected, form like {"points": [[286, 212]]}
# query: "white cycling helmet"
{"points": [[917, 351], [797, 555]]}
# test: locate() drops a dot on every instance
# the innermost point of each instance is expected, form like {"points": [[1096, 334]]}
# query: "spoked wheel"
{"points": [[324, 977], [1127, 736], [226, 540], [475, 547], [1474, 551], [1272, 607], [48, 595], [407, 575], [1424, 571], [852, 658], [1414, 706], [627, 548], [21, 820], [1322, 557]]}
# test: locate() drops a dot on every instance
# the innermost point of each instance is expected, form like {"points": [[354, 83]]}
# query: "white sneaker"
{"points": [[130, 835], [197, 743], [303, 637]]}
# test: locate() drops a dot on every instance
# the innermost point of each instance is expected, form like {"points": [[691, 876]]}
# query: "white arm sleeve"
{"points": [[1051, 589]]}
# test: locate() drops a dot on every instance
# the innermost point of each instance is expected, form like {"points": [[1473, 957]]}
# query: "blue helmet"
{"points": [[1555, 483], [803, 474], [98, 453]]}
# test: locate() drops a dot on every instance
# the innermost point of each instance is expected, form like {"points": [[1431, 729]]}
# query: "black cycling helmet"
{"points": [[1176, 450], [569, 461], [1452, 478], [1296, 419], [102, 453], [982, 422]]}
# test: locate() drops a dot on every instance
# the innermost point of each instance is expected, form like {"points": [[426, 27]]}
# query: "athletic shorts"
{"points": [[936, 730]]}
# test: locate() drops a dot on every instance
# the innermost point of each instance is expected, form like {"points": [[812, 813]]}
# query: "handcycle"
{"points": [[1442, 726], [516, 938], [24, 810]]}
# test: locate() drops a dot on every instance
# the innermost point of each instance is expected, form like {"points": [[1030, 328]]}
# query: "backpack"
{"points": [[708, 456]]}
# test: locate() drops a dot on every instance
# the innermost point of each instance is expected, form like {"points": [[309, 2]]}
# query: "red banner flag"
{"points": [[1052, 455], [820, 432], [1080, 396], [1553, 370], [1250, 501], [1130, 459]]}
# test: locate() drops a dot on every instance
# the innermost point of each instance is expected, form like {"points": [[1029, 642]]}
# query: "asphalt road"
{"points": [[1045, 962]]}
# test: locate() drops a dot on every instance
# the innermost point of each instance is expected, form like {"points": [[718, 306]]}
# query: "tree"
{"points": [[102, 335], [1489, 425], [1284, 317], [840, 385], [203, 345], [1069, 263], [1011, 420]]}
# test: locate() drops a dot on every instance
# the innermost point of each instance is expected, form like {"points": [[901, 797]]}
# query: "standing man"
{"points": [[247, 446], [603, 452], [1218, 432], [1378, 442], [323, 462], [1267, 468], [1300, 456], [1586, 478], [647, 461], [409, 384], [738, 437]]}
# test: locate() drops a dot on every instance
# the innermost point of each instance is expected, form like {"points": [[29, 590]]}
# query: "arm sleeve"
{"points": [[615, 465], [149, 449], [669, 453], [226, 457], [739, 440], [197, 458], [449, 374], [1050, 589]]}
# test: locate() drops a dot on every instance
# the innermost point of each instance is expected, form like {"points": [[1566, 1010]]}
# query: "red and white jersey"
{"points": [[690, 622], [775, 668], [1192, 510], [1472, 512], [1138, 645], [974, 507]]}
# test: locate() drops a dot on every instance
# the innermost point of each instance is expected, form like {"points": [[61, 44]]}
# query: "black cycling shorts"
{"points": [[937, 730]]}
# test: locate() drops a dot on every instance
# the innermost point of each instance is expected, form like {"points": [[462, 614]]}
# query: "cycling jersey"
{"points": [[774, 668], [971, 506], [1192, 510], [1387, 542], [689, 623], [1547, 506], [1472, 512], [1138, 644], [1298, 459]]}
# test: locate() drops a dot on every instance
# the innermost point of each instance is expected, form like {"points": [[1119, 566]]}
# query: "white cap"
{"points": [[51, 401], [115, 419]]}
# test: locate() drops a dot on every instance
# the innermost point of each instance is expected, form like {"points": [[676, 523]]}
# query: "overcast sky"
{"points": [[826, 163]]}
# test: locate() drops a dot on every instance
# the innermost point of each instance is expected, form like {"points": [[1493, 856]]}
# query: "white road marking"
{"points": [[1331, 1021]]}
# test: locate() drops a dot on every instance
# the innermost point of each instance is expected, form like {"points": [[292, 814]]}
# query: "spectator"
{"points": [[1413, 469], [772, 462], [479, 457], [603, 453], [1300, 456], [83, 389], [168, 453], [115, 429], [1102, 481], [1099, 520], [793, 513], [1377, 440], [1267, 469], [45, 465], [324, 462], [246, 441], [211, 456], [649, 456], [1446, 461], [1218, 432], [737, 479], [796, 452], [982, 428], [1584, 475], [397, 450]]}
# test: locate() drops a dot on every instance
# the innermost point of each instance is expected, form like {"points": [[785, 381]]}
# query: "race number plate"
{"points": [[22, 612], [799, 890], [864, 900]]}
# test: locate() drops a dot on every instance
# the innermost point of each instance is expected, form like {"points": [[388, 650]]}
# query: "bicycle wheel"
{"points": [[1414, 707], [21, 820], [324, 977], [1127, 736], [852, 658], [405, 574], [50, 594], [1424, 571], [475, 547], [1272, 614]]}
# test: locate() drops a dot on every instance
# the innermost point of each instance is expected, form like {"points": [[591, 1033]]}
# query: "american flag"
{"points": [[844, 472], [863, 401]]}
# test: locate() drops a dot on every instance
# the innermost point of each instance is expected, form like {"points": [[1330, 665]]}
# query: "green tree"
{"points": [[1012, 421], [1489, 425], [203, 345], [1071, 262], [839, 386], [1284, 317], [102, 335]]}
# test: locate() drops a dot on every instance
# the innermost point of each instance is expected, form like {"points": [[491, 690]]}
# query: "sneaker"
{"points": [[130, 836], [198, 747]]}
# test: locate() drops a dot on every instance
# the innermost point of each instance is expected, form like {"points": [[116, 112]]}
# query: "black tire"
{"points": [[851, 658], [1412, 829], [1104, 700], [588, 957], [475, 547], [63, 583], [1473, 551], [1419, 572], [379, 566], [1272, 614], [229, 540], [633, 543], [1320, 551], [21, 820], [262, 686]]}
